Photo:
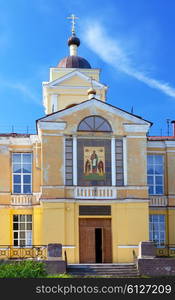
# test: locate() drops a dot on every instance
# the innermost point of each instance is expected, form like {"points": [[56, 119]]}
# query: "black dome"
{"points": [[74, 62], [73, 40]]}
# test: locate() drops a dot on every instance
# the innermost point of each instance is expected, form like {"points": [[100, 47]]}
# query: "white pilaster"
{"points": [[54, 103], [113, 163], [125, 160], [74, 160]]}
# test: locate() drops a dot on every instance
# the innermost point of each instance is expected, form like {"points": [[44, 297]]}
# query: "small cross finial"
{"points": [[73, 18]]}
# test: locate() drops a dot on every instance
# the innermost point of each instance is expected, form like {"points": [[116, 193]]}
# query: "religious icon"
{"points": [[87, 167], [94, 163]]}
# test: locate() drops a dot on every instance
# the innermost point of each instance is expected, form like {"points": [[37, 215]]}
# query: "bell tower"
{"points": [[71, 79]]}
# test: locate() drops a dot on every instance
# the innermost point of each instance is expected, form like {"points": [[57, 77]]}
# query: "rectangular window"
{"points": [[22, 230], [22, 173], [119, 162], [69, 161], [157, 230], [155, 174]]}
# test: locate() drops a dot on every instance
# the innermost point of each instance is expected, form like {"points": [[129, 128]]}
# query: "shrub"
{"points": [[22, 269]]}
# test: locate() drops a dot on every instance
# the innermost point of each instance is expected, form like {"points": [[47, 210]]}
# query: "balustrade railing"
{"points": [[158, 200], [34, 251], [95, 192], [165, 250], [25, 199]]}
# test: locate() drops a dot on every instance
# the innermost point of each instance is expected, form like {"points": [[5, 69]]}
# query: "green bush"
{"points": [[23, 269]]}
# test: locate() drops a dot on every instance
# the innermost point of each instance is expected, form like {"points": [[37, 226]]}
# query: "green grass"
{"points": [[60, 276], [23, 269]]}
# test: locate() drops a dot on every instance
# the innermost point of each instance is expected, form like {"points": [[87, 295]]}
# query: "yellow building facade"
{"points": [[90, 179]]}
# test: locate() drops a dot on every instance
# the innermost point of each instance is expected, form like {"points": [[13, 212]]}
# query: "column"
{"points": [[125, 161], [113, 163], [74, 160]]}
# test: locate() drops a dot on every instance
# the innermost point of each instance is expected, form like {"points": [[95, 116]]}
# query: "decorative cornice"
{"points": [[103, 106], [51, 125], [70, 75], [136, 127]]}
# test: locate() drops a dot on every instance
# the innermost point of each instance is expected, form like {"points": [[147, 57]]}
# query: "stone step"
{"points": [[101, 269], [136, 274], [125, 270], [104, 273], [104, 270], [101, 265]]}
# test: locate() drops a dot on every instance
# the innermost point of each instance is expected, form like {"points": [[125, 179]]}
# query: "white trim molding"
{"points": [[53, 103], [170, 144], [68, 247], [51, 125], [94, 104], [95, 201], [70, 75], [113, 162], [128, 246], [140, 127], [136, 137], [125, 167], [74, 160], [20, 141], [155, 144]]}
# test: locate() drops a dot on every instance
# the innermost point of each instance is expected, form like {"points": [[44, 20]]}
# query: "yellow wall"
{"points": [[58, 223], [52, 161], [6, 167], [72, 90], [137, 169], [5, 227], [56, 73]]}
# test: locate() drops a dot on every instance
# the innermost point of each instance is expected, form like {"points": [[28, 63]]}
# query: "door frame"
{"points": [[105, 224]]}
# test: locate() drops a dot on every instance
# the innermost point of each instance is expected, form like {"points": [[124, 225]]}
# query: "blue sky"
{"points": [[131, 41]]}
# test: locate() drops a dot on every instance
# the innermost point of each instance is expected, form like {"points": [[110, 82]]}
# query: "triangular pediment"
{"points": [[67, 80], [94, 105]]}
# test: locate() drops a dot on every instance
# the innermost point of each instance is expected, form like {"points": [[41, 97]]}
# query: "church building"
{"points": [[91, 178]]}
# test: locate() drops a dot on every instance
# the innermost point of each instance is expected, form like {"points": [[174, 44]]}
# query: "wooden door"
{"points": [[107, 243], [87, 240]]}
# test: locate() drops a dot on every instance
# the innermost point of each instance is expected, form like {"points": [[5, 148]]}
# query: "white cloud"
{"points": [[25, 90], [111, 52]]}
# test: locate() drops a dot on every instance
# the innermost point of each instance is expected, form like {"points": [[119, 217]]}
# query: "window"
{"points": [[119, 162], [69, 162], [22, 173], [157, 229], [155, 172], [22, 230], [94, 123]]}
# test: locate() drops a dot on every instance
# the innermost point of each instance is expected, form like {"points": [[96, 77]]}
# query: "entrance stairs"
{"points": [[110, 270]]}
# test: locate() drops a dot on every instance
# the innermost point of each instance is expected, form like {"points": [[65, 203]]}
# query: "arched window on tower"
{"points": [[94, 123]]}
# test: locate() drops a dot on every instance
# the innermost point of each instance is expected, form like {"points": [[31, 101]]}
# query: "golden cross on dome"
{"points": [[73, 18]]}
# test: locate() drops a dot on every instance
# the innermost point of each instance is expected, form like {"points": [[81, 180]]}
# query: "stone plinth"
{"points": [[54, 251], [147, 250]]}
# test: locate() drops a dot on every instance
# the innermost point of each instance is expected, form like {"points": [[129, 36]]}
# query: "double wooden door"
{"points": [[95, 240]]}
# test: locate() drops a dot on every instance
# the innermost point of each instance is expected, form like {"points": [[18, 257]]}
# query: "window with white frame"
{"points": [[22, 230], [157, 230], [22, 173], [155, 174]]}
